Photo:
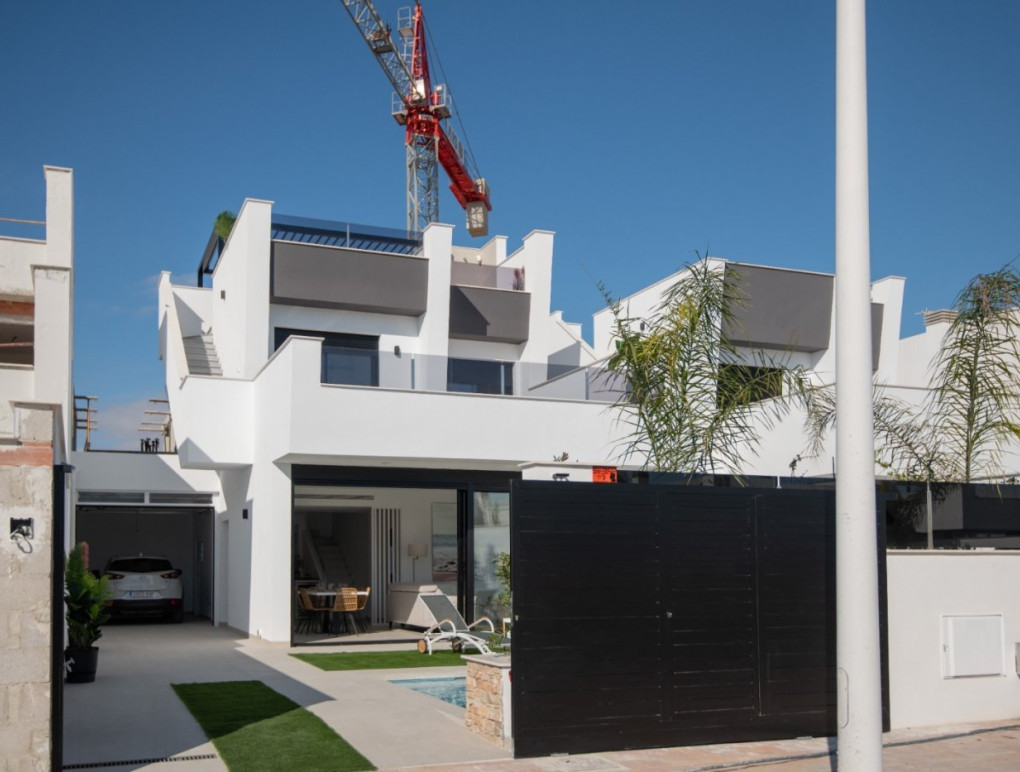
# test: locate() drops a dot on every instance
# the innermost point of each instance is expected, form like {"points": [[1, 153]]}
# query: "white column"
{"points": [[434, 327], [54, 342], [859, 698], [54, 300]]}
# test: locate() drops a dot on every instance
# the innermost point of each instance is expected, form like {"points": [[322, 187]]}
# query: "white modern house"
{"points": [[350, 395], [350, 405], [363, 396]]}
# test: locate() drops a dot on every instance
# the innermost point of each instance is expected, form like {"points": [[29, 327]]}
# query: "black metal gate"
{"points": [[661, 615]]}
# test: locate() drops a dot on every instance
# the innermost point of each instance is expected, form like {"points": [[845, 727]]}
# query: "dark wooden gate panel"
{"points": [[658, 615], [796, 545], [710, 668], [587, 572]]}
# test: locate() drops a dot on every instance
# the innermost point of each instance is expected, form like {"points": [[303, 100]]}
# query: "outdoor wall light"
{"points": [[22, 530], [396, 350], [415, 551]]}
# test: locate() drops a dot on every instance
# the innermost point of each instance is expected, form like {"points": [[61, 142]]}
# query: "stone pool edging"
{"points": [[488, 712]]}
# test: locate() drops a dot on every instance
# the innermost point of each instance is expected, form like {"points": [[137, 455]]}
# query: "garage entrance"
{"points": [[183, 535], [650, 616]]}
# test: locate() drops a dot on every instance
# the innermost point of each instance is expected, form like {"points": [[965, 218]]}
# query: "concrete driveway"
{"points": [[130, 714], [130, 718]]}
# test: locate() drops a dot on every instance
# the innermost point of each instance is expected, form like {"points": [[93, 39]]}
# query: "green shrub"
{"points": [[86, 597]]}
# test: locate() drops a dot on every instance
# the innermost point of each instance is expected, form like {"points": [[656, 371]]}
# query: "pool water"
{"points": [[449, 690]]}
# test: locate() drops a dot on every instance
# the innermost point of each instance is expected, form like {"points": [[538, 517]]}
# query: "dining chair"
{"points": [[346, 604], [363, 600], [319, 610], [304, 615]]}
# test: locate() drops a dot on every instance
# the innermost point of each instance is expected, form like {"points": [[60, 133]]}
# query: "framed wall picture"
{"points": [[444, 541]]}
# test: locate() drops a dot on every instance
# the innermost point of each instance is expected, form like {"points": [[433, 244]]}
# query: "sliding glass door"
{"points": [[491, 537]]}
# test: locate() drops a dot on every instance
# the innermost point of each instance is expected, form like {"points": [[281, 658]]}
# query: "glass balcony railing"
{"points": [[464, 274], [418, 372]]}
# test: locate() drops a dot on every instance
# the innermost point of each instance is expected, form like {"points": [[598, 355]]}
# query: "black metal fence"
{"points": [[652, 615]]}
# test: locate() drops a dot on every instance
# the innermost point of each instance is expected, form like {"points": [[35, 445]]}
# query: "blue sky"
{"points": [[639, 133]]}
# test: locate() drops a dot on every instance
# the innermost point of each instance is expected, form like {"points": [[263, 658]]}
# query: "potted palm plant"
{"points": [[85, 598]]}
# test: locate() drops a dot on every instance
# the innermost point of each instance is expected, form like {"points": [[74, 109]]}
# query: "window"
{"points": [[744, 384], [351, 360], [479, 376]]}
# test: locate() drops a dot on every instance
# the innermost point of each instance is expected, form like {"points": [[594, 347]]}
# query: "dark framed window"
{"points": [[479, 376], [744, 384], [352, 360]]}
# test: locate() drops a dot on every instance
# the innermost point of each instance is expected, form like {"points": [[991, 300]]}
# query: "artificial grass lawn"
{"points": [[380, 660], [254, 727]]}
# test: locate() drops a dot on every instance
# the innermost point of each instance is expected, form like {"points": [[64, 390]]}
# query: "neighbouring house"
{"points": [[36, 431], [789, 316]]}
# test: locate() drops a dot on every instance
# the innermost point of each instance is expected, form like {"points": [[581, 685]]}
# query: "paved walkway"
{"points": [[131, 713], [990, 747], [131, 719]]}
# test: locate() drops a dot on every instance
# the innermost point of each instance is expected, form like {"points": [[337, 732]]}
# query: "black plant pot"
{"points": [[81, 665]]}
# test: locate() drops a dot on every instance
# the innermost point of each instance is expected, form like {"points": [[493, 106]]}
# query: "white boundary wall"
{"points": [[924, 587]]}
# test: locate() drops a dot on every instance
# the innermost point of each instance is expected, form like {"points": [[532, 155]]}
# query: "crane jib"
{"points": [[423, 110]]}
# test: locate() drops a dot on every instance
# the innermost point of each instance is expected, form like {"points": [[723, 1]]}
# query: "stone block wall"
{"points": [[487, 712], [26, 491]]}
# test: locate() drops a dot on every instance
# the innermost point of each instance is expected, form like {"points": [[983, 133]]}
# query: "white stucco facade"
{"points": [[270, 408]]}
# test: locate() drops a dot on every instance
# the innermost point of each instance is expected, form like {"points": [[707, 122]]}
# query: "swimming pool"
{"points": [[451, 690]]}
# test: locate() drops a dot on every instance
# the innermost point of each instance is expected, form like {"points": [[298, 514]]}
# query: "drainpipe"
{"points": [[60, 473], [930, 526]]}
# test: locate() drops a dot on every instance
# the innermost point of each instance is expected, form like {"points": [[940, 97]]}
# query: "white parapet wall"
{"points": [[954, 627]]}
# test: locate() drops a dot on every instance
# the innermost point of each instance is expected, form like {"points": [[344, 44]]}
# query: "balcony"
{"points": [[494, 277], [418, 415], [344, 366], [480, 313]]}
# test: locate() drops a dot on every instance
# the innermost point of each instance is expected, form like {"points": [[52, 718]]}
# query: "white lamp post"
{"points": [[859, 682]]}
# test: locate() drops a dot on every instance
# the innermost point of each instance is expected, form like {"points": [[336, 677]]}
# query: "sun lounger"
{"points": [[450, 626]]}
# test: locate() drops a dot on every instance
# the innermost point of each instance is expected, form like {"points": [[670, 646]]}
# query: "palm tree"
{"points": [[974, 406], [972, 411], [694, 402]]}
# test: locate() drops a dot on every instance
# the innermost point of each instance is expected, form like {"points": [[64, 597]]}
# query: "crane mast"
{"points": [[422, 109]]}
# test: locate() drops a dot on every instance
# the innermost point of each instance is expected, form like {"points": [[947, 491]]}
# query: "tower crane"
{"points": [[423, 110]]}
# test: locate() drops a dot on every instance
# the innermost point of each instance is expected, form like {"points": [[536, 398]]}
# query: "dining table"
{"points": [[331, 622]]}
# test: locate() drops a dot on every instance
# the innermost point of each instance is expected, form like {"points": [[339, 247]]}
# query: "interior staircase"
{"points": [[333, 561]]}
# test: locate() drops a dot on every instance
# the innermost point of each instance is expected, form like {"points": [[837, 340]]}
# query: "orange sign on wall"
{"points": [[603, 474]]}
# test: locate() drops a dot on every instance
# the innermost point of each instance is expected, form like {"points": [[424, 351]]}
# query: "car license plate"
{"points": [[140, 594]]}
